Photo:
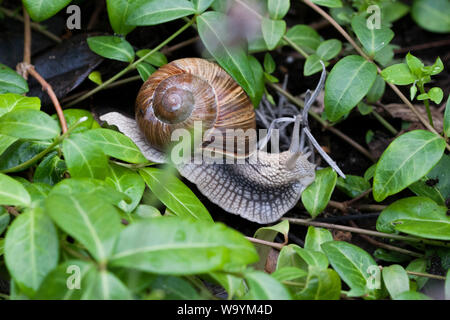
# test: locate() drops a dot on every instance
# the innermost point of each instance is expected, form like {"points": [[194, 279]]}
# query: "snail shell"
{"points": [[189, 90]]}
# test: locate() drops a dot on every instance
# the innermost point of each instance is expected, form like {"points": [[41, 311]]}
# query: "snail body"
{"points": [[262, 187]]}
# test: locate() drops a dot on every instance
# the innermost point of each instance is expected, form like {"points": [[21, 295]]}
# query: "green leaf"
{"points": [[202, 5], [309, 258], [273, 31], [395, 279], [288, 273], [12, 193], [112, 47], [4, 221], [435, 69], [393, 11], [399, 74], [352, 264], [312, 65], [329, 49], [74, 115], [412, 295], [212, 28], [174, 194], [288, 257], [170, 245], [269, 63], [377, 91], [374, 39], [436, 95], [432, 15], [31, 249], [278, 8], [95, 77], [304, 36], [385, 56], [158, 59], [414, 64], [145, 70], [370, 172], [116, 144], [6, 142], [118, 11], [349, 81], [38, 191], [418, 265], [321, 285], [88, 219], [175, 288], [28, 124], [447, 286], [11, 81], [98, 188], [50, 170], [366, 109], [12, 101], [268, 234], [390, 256], [316, 196], [40, 10], [84, 158], [315, 237], [407, 159], [152, 12], [447, 118], [417, 216], [80, 280], [258, 76], [328, 3], [353, 186], [264, 287], [19, 152], [127, 181]]}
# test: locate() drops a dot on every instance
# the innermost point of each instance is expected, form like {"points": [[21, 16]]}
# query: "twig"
{"points": [[11, 210], [274, 245], [34, 25], [180, 45], [426, 275], [423, 46], [305, 222], [26, 39]]}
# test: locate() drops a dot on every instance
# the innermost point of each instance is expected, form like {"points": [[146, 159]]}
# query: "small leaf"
{"points": [[269, 63], [329, 49], [145, 70], [352, 185], [311, 258], [112, 47], [328, 3], [50, 170], [96, 77], [414, 64], [373, 39], [278, 8], [412, 92], [12, 193], [118, 11], [313, 65], [158, 59], [174, 194], [316, 196], [273, 31], [376, 92], [28, 124], [315, 237], [418, 265], [88, 219], [395, 279], [399, 74], [412, 295], [154, 12], [170, 245], [417, 216], [432, 15], [321, 285], [202, 5], [349, 81], [304, 36], [31, 249], [447, 118], [407, 159], [264, 287], [12, 101], [11, 81], [436, 95], [40, 10]]}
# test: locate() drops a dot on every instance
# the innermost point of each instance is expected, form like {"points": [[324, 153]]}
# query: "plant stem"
{"points": [[427, 104], [296, 47], [42, 154], [307, 222], [426, 275], [131, 66], [274, 245], [386, 124]]}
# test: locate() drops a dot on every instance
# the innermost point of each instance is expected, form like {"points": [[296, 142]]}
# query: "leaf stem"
{"points": [[386, 124], [131, 66], [427, 104]]}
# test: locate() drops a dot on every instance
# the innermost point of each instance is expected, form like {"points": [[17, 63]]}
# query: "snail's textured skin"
{"points": [[220, 102]]}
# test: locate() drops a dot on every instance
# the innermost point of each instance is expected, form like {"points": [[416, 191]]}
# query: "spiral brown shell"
{"points": [[189, 90]]}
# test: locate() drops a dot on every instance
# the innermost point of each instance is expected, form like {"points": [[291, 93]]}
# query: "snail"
{"points": [[262, 187]]}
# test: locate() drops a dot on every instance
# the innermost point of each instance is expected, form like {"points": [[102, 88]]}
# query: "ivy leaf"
{"points": [[88, 219], [432, 15], [273, 31], [316, 196], [118, 11], [374, 39], [154, 12], [41, 10], [399, 74], [174, 194], [395, 279], [12, 193], [170, 245], [29, 124], [31, 249], [349, 81], [407, 159], [417, 216], [112, 47]]}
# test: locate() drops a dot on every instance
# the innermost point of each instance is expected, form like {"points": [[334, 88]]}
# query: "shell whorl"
{"points": [[189, 90]]}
